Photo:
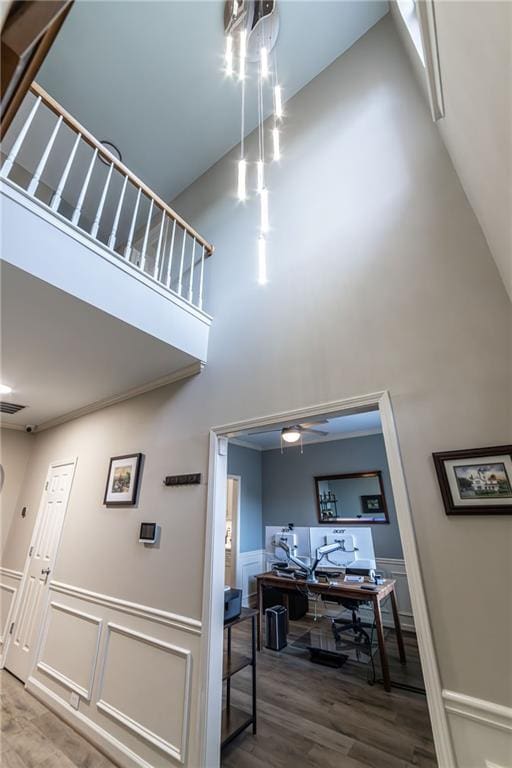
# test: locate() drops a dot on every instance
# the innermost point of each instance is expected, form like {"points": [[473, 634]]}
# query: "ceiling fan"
{"points": [[294, 432]]}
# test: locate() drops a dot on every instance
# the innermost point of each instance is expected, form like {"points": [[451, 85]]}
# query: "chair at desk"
{"points": [[356, 625]]}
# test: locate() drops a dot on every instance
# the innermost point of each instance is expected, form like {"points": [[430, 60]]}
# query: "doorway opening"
{"points": [[232, 537], [339, 670]]}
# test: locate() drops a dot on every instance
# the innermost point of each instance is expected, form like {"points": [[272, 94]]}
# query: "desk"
{"points": [[339, 589]]}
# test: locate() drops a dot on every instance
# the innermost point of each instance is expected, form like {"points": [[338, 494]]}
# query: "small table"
{"points": [[340, 589], [235, 720]]}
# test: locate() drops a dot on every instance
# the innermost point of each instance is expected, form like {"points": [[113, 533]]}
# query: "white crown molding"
{"points": [[183, 373], [479, 710], [19, 427], [185, 623]]}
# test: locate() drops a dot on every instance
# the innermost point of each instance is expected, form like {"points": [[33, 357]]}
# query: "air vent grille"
{"points": [[10, 407]]}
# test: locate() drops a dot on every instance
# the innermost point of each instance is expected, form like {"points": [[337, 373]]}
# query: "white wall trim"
{"points": [[214, 566], [5, 628], [480, 710], [18, 575], [37, 207], [163, 381], [176, 752], [85, 693], [101, 738], [184, 623], [249, 564]]}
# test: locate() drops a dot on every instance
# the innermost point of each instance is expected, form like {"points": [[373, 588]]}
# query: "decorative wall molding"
{"points": [[58, 675], [178, 752], [184, 623], [249, 565], [4, 628], [479, 710], [18, 575], [111, 746]]}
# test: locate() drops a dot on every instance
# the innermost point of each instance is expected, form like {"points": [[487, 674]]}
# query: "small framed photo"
{"points": [[372, 505], [123, 480], [476, 481]]}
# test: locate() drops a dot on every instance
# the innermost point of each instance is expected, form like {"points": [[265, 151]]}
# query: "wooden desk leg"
{"points": [[261, 615], [253, 648], [398, 628], [382, 644], [228, 681]]}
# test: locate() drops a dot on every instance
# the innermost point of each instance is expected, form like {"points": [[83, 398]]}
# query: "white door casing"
{"points": [[38, 567], [233, 511]]}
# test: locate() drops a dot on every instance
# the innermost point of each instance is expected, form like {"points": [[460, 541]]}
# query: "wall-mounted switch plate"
{"points": [[74, 700]]}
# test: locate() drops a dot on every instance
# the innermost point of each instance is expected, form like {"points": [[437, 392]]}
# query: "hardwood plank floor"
{"points": [[33, 737], [312, 716]]}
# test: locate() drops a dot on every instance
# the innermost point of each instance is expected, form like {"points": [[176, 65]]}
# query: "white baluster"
{"points": [[201, 277], [13, 154], [180, 278], [145, 241], [32, 187], [78, 209], [156, 268], [191, 281], [96, 225], [171, 252], [57, 198], [113, 234], [132, 227]]}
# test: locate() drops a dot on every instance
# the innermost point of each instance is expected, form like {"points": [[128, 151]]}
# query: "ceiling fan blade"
{"points": [[307, 424], [314, 431]]}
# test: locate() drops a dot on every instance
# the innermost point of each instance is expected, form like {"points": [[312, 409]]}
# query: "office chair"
{"points": [[339, 625]]}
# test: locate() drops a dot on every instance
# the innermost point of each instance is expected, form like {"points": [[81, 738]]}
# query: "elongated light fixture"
{"points": [[264, 70], [275, 139], [229, 55], [242, 54], [262, 260], [242, 175]]}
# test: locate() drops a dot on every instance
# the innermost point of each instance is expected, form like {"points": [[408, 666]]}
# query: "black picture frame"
{"points": [[366, 501], [338, 519], [131, 500], [447, 463]]}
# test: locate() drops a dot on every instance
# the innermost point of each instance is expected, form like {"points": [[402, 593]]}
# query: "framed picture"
{"points": [[476, 481], [123, 480], [372, 505]]}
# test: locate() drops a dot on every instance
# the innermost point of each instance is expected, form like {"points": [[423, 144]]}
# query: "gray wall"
{"points": [[248, 464], [289, 489], [380, 277], [15, 451]]}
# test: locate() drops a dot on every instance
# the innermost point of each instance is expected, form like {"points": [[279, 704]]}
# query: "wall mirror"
{"points": [[352, 499]]}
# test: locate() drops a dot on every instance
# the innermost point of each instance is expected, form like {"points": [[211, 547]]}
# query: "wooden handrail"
{"points": [[90, 139]]}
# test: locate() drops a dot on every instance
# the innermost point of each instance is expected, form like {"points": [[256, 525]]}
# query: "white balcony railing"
{"points": [[49, 155]]}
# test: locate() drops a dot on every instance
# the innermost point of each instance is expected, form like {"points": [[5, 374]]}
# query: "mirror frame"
{"points": [[352, 520]]}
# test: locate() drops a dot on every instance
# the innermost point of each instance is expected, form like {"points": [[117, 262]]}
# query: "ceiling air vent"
{"points": [[10, 407]]}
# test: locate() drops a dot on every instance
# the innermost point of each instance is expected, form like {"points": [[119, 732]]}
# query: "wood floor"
{"points": [[33, 737], [311, 716]]}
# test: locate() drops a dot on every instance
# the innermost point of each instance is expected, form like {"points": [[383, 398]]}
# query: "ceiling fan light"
{"points": [[290, 434]]}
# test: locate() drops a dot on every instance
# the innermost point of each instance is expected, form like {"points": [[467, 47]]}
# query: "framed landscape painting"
{"points": [[476, 481], [123, 480]]}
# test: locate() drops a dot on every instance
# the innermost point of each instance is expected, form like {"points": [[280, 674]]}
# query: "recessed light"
{"points": [[5, 390]]}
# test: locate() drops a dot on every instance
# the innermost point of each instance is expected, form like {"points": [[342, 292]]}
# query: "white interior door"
{"points": [[39, 566]]}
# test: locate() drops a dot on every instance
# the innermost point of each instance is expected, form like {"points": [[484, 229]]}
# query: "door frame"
{"points": [[53, 465], [212, 617], [235, 540]]}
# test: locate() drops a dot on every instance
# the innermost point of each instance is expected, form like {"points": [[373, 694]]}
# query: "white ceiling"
{"points": [[342, 427], [60, 354], [475, 53], [148, 76]]}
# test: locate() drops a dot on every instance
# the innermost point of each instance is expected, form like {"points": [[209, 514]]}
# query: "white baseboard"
{"points": [[481, 731], [101, 739]]}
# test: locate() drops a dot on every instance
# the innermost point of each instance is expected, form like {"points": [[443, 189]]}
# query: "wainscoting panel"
{"points": [[121, 673], [138, 669], [250, 564], [481, 731], [9, 583], [69, 648]]}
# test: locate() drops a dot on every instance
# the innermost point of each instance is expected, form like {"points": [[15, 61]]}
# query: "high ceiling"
{"points": [[148, 76]]}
